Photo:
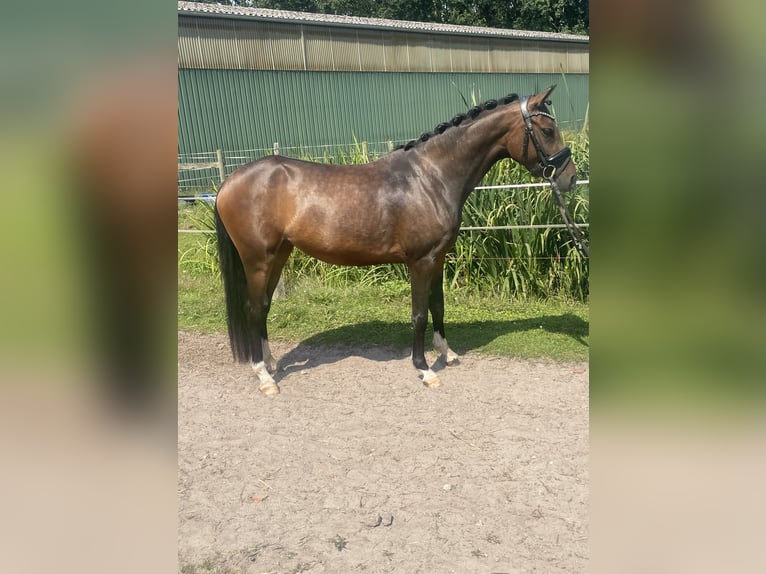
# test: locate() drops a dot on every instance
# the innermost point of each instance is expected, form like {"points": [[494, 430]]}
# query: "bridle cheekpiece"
{"points": [[549, 164]]}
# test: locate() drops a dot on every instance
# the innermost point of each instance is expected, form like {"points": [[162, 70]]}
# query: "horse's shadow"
{"points": [[385, 341]]}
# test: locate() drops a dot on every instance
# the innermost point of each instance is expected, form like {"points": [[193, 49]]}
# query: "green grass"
{"points": [[360, 314]]}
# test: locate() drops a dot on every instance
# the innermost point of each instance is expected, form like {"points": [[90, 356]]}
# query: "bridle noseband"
{"points": [[549, 164]]}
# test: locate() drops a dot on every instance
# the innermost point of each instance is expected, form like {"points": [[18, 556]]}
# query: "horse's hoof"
{"points": [[430, 379], [271, 390], [434, 383]]}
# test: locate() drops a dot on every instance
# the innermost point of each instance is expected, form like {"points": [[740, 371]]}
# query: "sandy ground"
{"points": [[358, 467]]}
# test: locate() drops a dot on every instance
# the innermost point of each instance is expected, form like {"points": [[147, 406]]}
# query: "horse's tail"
{"points": [[235, 291]]}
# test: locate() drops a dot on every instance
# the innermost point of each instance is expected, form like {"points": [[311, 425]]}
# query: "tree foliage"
{"points": [[567, 16]]}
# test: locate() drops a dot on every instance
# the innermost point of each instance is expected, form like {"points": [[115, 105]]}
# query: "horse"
{"points": [[405, 207]]}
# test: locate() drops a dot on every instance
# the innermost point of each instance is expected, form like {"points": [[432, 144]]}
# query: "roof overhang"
{"points": [[289, 17]]}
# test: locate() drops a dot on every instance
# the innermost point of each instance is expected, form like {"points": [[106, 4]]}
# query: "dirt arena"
{"points": [[358, 467]]}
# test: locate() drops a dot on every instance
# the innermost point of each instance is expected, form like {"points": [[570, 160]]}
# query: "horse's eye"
{"points": [[548, 132]]}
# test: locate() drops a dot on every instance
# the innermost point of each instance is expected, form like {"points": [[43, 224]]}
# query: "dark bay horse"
{"points": [[403, 208]]}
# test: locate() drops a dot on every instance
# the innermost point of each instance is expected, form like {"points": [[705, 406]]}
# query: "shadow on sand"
{"points": [[385, 341]]}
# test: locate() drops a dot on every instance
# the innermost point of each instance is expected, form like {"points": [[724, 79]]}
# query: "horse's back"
{"points": [[282, 182], [352, 215], [251, 177]]}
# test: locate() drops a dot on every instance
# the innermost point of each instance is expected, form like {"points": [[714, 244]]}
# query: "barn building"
{"points": [[250, 77]]}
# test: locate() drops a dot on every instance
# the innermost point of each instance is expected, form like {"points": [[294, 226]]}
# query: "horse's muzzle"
{"points": [[556, 163]]}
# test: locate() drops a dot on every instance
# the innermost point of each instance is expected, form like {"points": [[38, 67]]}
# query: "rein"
{"points": [[551, 165], [574, 231]]}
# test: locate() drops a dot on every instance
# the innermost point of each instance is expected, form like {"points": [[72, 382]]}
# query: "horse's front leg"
{"points": [[436, 305], [420, 281]]}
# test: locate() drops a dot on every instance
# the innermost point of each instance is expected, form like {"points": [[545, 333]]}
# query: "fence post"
{"points": [[276, 148], [364, 151], [390, 145], [219, 162]]}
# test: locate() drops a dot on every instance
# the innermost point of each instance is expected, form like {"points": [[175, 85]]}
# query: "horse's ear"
{"points": [[542, 97]]}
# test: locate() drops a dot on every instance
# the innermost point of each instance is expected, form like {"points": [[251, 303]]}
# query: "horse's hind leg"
{"points": [[436, 305], [420, 281], [281, 257], [258, 309]]}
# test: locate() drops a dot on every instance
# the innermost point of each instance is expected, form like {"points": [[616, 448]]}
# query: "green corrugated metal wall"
{"points": [[251, 109]]}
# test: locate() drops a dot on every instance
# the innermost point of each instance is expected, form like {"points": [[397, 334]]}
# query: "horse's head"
{"points": [[538, 146]]}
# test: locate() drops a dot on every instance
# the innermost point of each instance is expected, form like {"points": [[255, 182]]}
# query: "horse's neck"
{"points": [[464, 155]]}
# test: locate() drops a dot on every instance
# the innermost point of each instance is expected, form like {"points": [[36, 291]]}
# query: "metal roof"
{"points": [[264, 14]]}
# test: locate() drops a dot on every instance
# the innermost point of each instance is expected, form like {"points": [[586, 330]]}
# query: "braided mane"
{"points": [[469, 116]]}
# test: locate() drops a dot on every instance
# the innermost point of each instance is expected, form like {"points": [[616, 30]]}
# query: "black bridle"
{"points": [[551, 166]]}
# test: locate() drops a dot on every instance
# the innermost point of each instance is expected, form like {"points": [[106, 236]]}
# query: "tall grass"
{"points": [[519, 263], [522, 262], [198, 252]]}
